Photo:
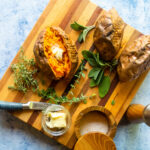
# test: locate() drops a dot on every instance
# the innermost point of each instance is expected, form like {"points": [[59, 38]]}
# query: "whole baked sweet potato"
{"points": [[55, 53], [135, 59], [108, 34]]}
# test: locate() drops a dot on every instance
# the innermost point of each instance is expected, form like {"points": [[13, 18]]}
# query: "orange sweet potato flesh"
{"points": [[47, 61]]}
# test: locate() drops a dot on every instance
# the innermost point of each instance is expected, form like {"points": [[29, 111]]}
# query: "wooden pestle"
{"points": [[138, 113]]}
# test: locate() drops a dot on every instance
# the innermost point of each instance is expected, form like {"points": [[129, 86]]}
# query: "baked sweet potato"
{"points": [[55, 53], [108, 34], [135, 59]]}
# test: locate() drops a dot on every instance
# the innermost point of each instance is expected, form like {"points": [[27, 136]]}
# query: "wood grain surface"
{"points": [[61, 13], [135, 113], [95, 141]]}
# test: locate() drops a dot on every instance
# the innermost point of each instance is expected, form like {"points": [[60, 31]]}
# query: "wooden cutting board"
{"points": [[62, 13]]}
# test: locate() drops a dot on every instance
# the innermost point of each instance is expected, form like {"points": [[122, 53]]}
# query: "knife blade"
{"points": [[20, 106]]}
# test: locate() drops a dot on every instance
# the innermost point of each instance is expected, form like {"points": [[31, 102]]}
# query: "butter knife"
{"points": [[20, 106]]}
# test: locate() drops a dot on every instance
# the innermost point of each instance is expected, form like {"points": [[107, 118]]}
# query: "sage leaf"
{"points": [[80, 38], [92, 62], [100, 77], [104, 86], [84, 29], [94, 73], [96, 82], [87, 54], [77, 26], [99, 62], [92, 83], [85, 32]]}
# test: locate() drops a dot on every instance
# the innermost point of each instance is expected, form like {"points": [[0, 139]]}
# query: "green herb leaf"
{"points": [[85, 31], [80, 38], [77, 81], [92, 83], [93, 95], [92, 62], [100, 77], [113, 102], [72, 86], [83, 75], [104, 86], [87, 54], [82, 28], [77, 26], [94, 73]]}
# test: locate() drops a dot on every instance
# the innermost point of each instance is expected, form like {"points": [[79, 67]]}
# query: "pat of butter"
{"points": [[57, 120], [58, 52]]}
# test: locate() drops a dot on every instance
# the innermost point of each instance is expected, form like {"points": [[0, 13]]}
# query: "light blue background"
{"points": [[17, 17]]}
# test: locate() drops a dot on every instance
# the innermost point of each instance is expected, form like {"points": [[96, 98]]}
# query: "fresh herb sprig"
{"points": [[78, 76], [24, 72], [97, 72], [84, 30], [51, 95], [80, 73]]}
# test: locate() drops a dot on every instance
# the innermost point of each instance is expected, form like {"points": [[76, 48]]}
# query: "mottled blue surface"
{"points": [[17, 18]]}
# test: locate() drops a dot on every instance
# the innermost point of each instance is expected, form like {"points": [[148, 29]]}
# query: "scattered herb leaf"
{"points": [[83, 75], [93, 83], [104, 86], [87, 54], [84, 30], [92, 62], [100, 77], [72, 86], [77, 26], [80, 38], [113, 102]]}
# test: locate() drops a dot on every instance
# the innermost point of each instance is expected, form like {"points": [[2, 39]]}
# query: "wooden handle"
{"points": [[135, 113], [95, 141]]}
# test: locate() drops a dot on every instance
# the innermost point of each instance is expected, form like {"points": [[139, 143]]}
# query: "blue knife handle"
{"points": [[10, 106]]}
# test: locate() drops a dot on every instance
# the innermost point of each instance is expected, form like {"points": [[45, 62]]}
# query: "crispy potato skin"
{"points": [[41, 59], [108, 34], [135, 59]]}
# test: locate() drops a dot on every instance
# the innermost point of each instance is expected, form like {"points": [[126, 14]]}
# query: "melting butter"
{"points": [[57, 120], [58, 52], [94, 122]]}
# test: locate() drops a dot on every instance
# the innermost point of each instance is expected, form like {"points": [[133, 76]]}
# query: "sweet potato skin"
{"points": [[135, 59], [108, 34], [41, 59]]}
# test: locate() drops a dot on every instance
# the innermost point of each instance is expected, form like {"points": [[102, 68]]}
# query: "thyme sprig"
{"points": [[24, 71], [51, 95]]}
